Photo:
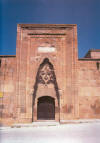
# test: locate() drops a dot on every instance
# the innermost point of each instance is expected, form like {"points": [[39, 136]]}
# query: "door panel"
{"points": [[46, 108]]}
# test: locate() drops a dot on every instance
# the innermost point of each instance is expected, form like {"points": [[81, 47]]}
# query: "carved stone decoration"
{"points": [[45, 75]]}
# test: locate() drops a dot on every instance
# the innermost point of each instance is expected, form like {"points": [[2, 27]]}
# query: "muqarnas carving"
{"points": [[45, 75]]}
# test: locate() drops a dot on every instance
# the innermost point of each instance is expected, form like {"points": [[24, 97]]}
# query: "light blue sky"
{"points": [[84, 13]]}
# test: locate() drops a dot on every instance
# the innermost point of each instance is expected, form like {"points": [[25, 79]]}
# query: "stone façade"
{"points": [[47, 65]]}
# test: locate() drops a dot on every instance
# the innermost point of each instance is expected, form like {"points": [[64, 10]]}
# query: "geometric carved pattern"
{"points": [[45, 75]]}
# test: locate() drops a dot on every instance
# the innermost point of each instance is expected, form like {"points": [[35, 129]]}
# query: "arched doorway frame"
{"points": [[56, 109], [56, 96]]}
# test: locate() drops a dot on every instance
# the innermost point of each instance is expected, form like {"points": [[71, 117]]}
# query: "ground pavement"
{"points": [[65, 133]]}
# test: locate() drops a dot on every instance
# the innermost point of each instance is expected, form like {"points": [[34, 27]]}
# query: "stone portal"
{"points": [[46, 94], [46, 80]]}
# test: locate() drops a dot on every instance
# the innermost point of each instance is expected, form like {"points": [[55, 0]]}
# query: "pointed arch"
{"points": [[45, 75]]}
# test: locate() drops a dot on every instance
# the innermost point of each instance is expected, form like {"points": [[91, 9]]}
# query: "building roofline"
{"points": [[94, 50], [7, 56], [88, 59], [88, 54], [46, 25]]}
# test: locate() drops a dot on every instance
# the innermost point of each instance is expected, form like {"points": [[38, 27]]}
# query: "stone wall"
{"points": [[89, 89], [74, 84], [7, 88], [30, 38]]}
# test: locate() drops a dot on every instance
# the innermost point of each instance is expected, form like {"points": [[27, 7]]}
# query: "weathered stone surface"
{"points": [[56, 71]]}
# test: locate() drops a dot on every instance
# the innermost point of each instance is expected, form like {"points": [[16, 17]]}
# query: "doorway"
{"points": [[46, 108]]}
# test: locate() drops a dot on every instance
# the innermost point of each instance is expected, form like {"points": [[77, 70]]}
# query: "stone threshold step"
{"points": [[35, 124]]}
